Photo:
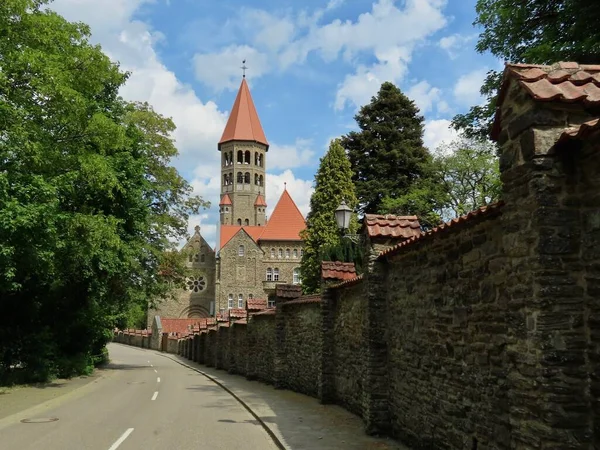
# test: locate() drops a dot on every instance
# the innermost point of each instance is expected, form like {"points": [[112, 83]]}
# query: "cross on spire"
{"points": [[244, 68]]}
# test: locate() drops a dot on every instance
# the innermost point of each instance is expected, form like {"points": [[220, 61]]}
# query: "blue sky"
{"points": [[311, 65]]}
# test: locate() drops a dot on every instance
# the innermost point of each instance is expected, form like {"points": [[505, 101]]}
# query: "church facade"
{"points": [[255, 252]]}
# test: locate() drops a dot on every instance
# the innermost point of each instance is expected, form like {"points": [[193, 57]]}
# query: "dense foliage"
{"points": [[333, 184], [88, 201], [535, 32], [387, 154]]}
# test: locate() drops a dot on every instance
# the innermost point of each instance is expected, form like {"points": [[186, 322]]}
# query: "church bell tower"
{"points": [[243, 148]]}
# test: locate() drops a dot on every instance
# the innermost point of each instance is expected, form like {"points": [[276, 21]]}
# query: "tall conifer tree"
{"points": [[387, 154], [333, 184]]}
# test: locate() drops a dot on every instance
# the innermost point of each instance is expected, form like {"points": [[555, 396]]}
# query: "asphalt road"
{"points": [[145, 401]]}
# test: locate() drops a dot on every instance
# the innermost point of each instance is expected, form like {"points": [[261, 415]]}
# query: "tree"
{"points": [[461, 177], [387, 154], [535, 32], [333, 184], [88, 201]]}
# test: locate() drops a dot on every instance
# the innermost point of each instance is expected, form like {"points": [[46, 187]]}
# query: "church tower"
{"points": [[243, 148]]}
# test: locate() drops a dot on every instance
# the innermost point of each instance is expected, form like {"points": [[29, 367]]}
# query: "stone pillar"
{"points": [[201, 347], [326, 384]]}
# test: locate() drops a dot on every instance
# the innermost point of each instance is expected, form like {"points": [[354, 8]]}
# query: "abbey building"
{"points": [[255, 252]]}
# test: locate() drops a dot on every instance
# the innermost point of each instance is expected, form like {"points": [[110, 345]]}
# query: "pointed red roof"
{"points": [[225, 200], [285, 223], [229, 231], [260, 201], [243, 123]]}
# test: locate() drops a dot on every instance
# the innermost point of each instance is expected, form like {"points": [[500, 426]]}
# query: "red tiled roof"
{"points": [[260, 201], [304, 300], [178, 325], [567, 82], [392, 226], [581, 131], [469, 218], [286, 222], [256, 304], [237, 313], [243, 123], [350, 282], [241, 322], [225, 200], [226, 232], [265, 312], [336, 270]]}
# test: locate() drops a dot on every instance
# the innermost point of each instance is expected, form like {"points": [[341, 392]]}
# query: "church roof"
{"points": [[229, 231], [286, 222], [225, 200], [260, 201], [243, 123]]}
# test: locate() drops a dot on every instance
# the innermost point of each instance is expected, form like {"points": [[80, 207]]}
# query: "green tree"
{"points": [[88, 201], [333, 184], [387, 154], [535, 32], [461, 177]]}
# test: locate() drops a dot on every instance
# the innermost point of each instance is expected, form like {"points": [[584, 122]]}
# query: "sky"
{"points": [[311, 65]]}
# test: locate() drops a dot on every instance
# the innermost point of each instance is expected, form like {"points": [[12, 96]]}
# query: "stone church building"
{"points": [[255, 252]]}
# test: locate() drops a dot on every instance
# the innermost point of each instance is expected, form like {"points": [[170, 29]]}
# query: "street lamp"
{"points": [[343, 213]]}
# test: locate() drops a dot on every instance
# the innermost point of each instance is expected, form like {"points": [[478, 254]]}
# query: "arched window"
{"points": [[196, 257], [260, 180], [280, 253], [240, 157], [231, 178], [275, 274], [295, 253], [269, 274], [256, 158], [230, 301], [247, 178], [301, 252], [250, 296], [247, 157], [230, 158], [202, 257], [260, 160], [246, 222], [225, 180], [240, 222], [240, 300], [256, 179], [240, 177], [241, 250], [287, 253], [296, 279], [272, 253], [190, 258]]}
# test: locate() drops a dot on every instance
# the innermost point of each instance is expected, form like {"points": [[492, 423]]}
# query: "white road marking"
{"points": [[155, 395], [158, 380], [119, 441], [155, 371], [151, 365]]}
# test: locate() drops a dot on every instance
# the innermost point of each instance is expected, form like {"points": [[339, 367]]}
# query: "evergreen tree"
{"points": [[333, 184], [387, 154]]}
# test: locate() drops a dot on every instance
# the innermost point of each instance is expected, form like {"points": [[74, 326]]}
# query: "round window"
{"points": [[196, 284]]}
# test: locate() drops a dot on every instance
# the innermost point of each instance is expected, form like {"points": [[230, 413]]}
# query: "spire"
{"points": [[243, 123], [225, 200]]}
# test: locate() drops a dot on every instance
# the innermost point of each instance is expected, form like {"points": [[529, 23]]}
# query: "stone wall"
{"points": [[261, 347], [238, 350], [222, 356]]}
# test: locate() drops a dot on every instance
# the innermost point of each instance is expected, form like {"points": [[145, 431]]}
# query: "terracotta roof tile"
{"points": [[580, 132], [288, 290], [237, 313], [469, 218], [241, 322], [336, 270], [226, 232], [225, 200], [177, 325], [350, 282], [243, 123], [304, 300], [265, 312], [286, 222], [256, 304], [392, 226], [260, 201]]}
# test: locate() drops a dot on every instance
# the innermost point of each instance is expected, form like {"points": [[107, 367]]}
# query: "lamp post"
{"points": [[343, 213]]}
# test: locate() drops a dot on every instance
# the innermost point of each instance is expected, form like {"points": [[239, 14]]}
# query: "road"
{"points": [[145, 401]]}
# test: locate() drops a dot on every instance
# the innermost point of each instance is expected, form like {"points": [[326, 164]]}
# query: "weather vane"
{"points": [[244, 68]]}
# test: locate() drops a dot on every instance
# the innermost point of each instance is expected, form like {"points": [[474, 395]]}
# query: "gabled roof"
{"points": [[286, 222], [260, 201], [243, 123], [229, 231], [392, 226], [197, 236], [225, 200]]}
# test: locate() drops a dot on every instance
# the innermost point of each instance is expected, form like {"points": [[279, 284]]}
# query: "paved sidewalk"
{"points": [[298, 421]]}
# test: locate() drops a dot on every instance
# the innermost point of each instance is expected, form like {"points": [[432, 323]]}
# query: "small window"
{"points": [[275, 274], [241, 250], [190, 258], [247, 157], [295, 253], [240, 157], [270, 302], [196, 257], [287, 253], [240, 222], [281, 253], [272, 253], [269, 274], [301, 252], [260, 180], [246, 222], [230, 301], [250, 296], [296, 276], [202, 257], [240, 300], [226, 209], [247, 178]]}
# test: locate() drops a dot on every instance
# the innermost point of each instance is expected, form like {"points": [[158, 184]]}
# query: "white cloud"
{"points": [[222, 70], [454, 43], [300, 190], [291, 156], [466, 89], [438, 132], [425, 96]]}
